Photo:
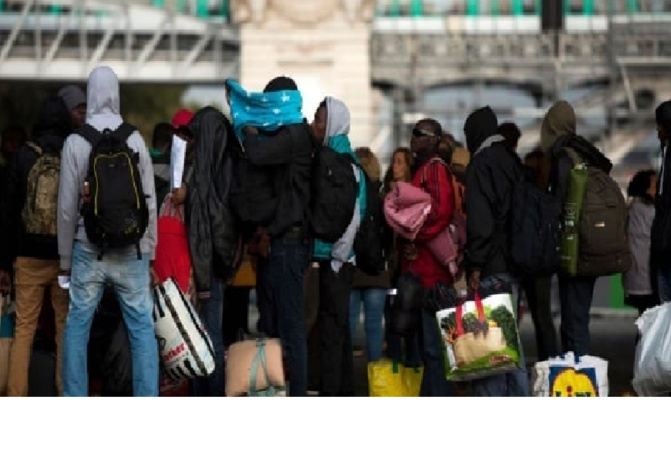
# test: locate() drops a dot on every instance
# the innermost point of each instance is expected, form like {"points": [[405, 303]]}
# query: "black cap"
{"points": [[280, 83]]}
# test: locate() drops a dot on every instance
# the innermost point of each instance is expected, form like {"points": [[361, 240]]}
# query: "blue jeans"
{"points": [[282, 310], [515, 383], [212, 313], [129, 277], [373, 300]]}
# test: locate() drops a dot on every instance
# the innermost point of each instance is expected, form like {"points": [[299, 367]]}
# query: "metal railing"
{"points": [[141, 42]]}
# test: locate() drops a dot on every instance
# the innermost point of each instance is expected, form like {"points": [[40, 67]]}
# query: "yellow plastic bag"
{"points": [[387, 378]]}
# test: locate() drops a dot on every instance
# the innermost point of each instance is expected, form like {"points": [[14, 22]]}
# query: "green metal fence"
{"points": [[421, 8], [203, 8]]}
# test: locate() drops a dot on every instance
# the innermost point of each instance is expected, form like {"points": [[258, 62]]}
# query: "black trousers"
{"points": [[236, 313], [337, 361], [538, 298], [575, 294]]}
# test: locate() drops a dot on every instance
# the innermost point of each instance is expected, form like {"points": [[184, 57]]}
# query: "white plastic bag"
{"points": [[652, 364], [185, 347], [562, 376]]}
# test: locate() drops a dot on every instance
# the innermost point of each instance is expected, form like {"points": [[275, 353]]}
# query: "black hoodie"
{"points": [[49, 133], [660, 240], [490, 178], [212, 229]]}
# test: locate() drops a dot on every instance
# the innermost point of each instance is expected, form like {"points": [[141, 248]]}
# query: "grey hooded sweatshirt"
{"points": [[103, 111]]}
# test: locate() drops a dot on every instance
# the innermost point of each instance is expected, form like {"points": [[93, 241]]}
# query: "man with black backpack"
{"points": [[594, 237], [272, 192], [107, 234], [28, 228]]}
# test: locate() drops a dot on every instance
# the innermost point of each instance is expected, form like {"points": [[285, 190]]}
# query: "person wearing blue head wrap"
{"points": [[278, 146]]}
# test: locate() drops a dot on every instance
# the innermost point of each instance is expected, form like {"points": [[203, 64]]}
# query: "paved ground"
{"points": [[613, 339]]}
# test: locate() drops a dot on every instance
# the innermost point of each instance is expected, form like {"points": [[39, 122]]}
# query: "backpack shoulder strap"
{"points": [[35, 147], [124, 131], [89, 133], [435, 159]]}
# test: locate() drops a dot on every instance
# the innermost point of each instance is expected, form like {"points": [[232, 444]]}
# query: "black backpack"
{"points": [[115, 209], [368, 239], [333, 194], [536, 230], [253, 198]]}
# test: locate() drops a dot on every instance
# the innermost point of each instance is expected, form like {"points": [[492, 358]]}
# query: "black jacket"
{"points": [[289, 151], [49, 134], [490, 178], [213, 232]]}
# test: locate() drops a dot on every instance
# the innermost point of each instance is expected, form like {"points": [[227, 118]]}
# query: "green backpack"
{"points": [[594, 240]]}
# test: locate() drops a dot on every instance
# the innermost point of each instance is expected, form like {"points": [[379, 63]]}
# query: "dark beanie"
{"points": [[72, 96], [663, 116], [280, 83]]}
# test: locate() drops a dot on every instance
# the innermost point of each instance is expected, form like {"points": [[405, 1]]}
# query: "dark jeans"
{"points": [[280, 288], [236, 314], [404, 349], [211, 313], [337, 362], [267, 323], [538, 298], [575, 294], [434, 382], [515, 383]]}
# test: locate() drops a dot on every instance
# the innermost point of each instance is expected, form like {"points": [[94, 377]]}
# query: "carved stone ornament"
{"points": [[246, 11], [302, 12]]}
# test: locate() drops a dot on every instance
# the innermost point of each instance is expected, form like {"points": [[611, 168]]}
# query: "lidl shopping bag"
{"points": [[185, 347], [567, 376], [652, 364], [389, 378], [479, 335]]}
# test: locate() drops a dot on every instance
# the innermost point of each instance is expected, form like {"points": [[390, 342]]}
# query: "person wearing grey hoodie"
{"points": [[85, 273], [336, 262]]}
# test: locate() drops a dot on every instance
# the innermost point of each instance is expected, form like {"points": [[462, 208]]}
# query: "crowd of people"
{"points": [[246, 205]]}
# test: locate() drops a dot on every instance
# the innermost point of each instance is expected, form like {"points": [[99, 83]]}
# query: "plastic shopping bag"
{"points": [[185, 347], [566, 376], [479, 334], [390, 378], [652, 364]]}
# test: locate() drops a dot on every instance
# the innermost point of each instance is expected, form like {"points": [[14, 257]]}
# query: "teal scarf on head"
{"points": [[267, 111], [341, 144]]}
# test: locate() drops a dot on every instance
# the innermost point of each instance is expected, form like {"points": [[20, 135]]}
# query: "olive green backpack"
{"points": [[594, 240]]}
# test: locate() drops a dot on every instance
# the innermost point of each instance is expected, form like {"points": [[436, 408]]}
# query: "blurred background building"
{"points": [[392, 61]]}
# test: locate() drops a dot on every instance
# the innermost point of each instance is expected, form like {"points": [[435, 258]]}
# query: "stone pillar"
{"points": [[322, 44]]}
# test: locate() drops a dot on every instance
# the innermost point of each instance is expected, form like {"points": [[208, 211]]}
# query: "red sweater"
{"points": [[438, 184]]}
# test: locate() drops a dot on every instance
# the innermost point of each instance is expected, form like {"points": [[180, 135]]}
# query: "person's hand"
{"points": [[474, 281], [5, 282], [179, 195], [250, 130], [64, 279], [409, 251], [153, 276]]}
